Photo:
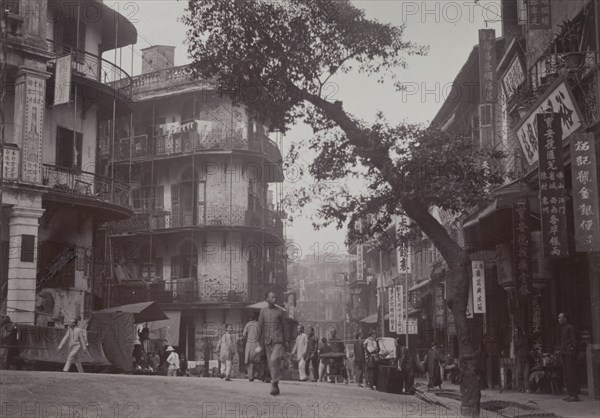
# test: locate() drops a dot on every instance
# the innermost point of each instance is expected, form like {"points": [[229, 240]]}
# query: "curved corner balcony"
{"points": [[93, 71], [212, 217], [83, 188], [191, 141]]}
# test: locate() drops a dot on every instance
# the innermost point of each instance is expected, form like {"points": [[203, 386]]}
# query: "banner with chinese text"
{"points": [[438, 306], [487, 66], [470, 302], [538, 14], [584, 178], [552, 185], [392, 307], [478, 286], [521, 247]]}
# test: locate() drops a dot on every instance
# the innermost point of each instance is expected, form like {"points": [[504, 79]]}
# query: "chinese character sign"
{"points": [[438, 306], [487, 65], [392, 307], [360, 263], [12, 161], [538, 13], [559, 101], [470, 302], [552, 186], [522, 235], [400, 308], [514, 77], [478, 287], [584, 178], [62, 85]]}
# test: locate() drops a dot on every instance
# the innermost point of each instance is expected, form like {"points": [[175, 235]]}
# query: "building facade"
{"points": [[55, 95], [206, 237]]}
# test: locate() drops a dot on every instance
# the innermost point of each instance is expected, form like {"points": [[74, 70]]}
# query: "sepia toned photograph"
{"points": [[299, 208]]}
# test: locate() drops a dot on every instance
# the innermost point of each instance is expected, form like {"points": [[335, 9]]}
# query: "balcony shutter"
{"points": [[159, 197], [175, 215]]}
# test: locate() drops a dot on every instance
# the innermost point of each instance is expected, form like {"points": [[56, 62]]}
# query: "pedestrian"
{"points": [[313, 355], [432, 363], [183, 366], [77, 343], [272, 338], [227, 348], [523, 364], [337, 346], [250, 334], [568, 356], [300, 351], [371, 347], [172, 361], [323, 349], [359, 360], [409, 366]]}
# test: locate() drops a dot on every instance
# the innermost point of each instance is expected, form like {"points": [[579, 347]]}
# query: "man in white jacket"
{"points": [[77, 340], [300, 351], [172, 361]]}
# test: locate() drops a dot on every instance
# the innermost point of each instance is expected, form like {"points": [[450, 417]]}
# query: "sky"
{"points": [[448, 27]]}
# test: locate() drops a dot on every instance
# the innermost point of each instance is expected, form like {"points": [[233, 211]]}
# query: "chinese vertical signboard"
{"points": [[538, 14], [584, 175], [438, 306], [12, 159], [522, 234], [360, 274], [478, 286], [31, 154], [470, 302], [514, 77], [392, 307], [552, 185], [400, 308], [560, 101], [487, 65], [62, 83]]}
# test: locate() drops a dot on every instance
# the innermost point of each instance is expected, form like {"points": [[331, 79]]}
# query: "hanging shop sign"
{"points": [[487, 66], [538, 14], [438, 306], [514, 77], [478, 286], [451, 325], [392, 308], [552, 186], [360, 264], [33, 125], [560, 101], [584, 175], [62, 80], [470, 302], [413, 327], [400, 308], [521, 257]]}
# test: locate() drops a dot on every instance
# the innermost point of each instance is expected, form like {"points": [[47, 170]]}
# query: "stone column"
{"points": [[20, 301]]}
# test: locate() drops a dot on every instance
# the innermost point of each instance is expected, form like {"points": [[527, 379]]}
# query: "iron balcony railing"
{"points": [[93, 67], [142, 147], [83, 184], [209, 215]]}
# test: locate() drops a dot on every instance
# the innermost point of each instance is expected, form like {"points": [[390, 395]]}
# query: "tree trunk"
{"points": [[457, 283]]}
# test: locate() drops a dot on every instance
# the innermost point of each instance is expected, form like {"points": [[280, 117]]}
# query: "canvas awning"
{"points": [[372, 319], [142, 312], [167, 329]]}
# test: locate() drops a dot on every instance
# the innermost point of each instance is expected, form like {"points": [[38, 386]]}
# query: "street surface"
{"points": [[55, 394]]}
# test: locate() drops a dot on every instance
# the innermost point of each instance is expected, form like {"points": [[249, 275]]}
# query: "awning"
{"points": [[143, 312], [372, 319], [263, 304], [167, 329], [420, 285], [492, 224]]}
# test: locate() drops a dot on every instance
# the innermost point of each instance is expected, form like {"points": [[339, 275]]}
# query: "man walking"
{"points": [[250, 334], [569, 357], [313, 356], [271, 336], [227, 348], [359, 360], [337, 346], [300, 350], [77, 343], [172, 361]]}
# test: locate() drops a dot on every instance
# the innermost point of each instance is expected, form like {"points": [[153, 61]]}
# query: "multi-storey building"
{"points": [[54, 96], [206, 238]]}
